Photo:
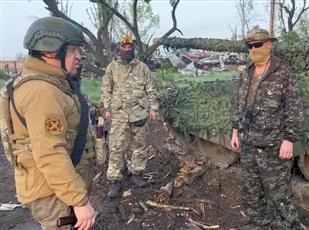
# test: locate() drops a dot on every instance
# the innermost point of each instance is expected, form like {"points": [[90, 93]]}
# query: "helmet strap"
{"points": [[61, 56], [36, 54]]}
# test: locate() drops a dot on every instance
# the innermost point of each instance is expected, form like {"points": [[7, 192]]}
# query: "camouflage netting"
{"points": [[304, 90], [193, 107], [207, 106], [220, 45]]}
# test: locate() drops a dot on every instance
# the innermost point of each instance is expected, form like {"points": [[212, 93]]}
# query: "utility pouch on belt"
{"points": [[99, 131], [140, 123]]}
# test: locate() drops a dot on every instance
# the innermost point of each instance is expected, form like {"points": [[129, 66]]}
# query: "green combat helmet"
{"points": [[49, 34]]}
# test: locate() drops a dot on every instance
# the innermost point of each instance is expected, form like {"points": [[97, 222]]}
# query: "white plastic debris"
{"points": [[9, 207]]}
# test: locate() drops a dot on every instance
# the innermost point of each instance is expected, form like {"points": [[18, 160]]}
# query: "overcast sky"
{"points": [[196, 18]]}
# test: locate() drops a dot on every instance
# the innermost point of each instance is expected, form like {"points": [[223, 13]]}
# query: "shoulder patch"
{"points": [[54, 125]]}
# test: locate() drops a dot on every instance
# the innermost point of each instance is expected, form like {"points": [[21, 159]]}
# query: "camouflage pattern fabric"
{"points": [[266, 188], [277, 112], [128, 91], [253, 88], [257, 34], [124, 136], [101, 155]]}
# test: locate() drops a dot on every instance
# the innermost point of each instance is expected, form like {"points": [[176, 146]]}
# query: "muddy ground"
{"points": [[213, 198]]}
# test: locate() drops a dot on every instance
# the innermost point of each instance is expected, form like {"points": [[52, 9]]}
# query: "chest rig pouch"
{"points": [[6, 127]]}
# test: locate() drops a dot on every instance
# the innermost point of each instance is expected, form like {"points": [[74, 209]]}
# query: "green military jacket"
{"points": [[128, 91], [277, 109]]}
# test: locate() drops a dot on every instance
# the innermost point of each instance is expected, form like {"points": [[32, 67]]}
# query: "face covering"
{"points": [[127, 56], [259, 56]]}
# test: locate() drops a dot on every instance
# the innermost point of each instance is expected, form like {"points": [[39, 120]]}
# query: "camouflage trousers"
{"points": [[266, 188], [123, 137], [47, 210]]}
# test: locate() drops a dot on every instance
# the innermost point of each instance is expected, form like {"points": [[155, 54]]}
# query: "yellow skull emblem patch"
{"points": [[54, 125]]}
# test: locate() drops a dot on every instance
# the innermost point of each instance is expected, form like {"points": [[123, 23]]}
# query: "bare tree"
{"points": [[272, 17], [147, 21], [66, 8], [96, 44], [133, 26], [234, 33], [289, 15], [99, 45], [101, 18], [245, 9]]}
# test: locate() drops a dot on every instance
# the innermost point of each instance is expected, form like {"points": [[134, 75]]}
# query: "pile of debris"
{"points": [[201, 61], [183, 193]]}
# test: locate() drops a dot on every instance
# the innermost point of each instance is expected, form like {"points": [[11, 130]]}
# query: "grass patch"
{"points": [[2, 74], [92, 88], [2, 82]]}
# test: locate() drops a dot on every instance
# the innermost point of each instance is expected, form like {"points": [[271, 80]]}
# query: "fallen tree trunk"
{"points": [[220, 45]]}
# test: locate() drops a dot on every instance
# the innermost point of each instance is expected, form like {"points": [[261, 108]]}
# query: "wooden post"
{"points": [[15, 67], [272, 18]]}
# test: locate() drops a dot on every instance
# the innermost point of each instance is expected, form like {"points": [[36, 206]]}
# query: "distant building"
{"points": [[11, 67]]}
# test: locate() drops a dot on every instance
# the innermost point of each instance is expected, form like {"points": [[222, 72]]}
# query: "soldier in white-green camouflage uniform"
{"points": [[128, 96]]}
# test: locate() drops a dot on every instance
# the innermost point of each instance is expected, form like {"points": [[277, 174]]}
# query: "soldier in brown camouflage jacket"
{"points": [[267, 123]]}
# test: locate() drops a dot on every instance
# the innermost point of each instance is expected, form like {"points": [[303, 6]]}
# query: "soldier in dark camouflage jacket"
{"points": [[266, 125]]}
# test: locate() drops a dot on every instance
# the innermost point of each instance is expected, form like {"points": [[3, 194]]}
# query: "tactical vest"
{"points": [[14, 145]]}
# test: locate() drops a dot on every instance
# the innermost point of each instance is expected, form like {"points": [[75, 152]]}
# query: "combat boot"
{"points": [[114, 189], [138, 181]]}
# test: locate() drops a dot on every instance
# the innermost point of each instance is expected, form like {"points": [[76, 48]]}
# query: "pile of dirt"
{"points": [[212, 199]]}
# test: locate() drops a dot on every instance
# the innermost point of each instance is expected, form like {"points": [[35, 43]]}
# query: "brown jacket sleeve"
{"points": [[44, 101]]}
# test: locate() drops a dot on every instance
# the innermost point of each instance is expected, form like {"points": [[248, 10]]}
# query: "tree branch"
{"points": [[92, 68], [282, 16], [303, 10], [154, 46], [95, 46], [136, 30], [135, 13], [292, 11], [116, 12], [104, 27], [52, 6]]}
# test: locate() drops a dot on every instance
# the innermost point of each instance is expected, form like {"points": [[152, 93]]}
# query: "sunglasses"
{"points": [[255, 45]]}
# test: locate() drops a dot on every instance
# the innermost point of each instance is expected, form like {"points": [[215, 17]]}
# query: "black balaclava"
{"points": [[127, 56]]}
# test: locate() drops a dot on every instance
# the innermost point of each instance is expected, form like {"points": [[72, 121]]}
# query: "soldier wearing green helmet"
{"points": [[52, 139]]}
